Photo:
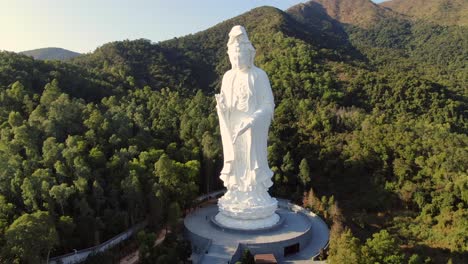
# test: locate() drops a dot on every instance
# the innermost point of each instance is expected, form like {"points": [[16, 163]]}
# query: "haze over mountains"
{"points": [[370, 131]]}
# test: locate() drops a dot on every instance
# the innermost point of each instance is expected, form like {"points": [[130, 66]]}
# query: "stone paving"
{"points": [[224, 243]]}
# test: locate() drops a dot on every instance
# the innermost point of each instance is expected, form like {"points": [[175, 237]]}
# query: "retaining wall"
{"points": [[81, 255]]}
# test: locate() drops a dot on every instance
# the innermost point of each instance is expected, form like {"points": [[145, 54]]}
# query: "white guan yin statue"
{"points": [[245, 109]]}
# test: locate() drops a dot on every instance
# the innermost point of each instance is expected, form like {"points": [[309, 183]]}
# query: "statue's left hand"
{"points": [[220, 102], [242, 128]]}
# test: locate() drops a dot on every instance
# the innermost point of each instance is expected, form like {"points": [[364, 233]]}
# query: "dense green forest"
{"points": [[370, 131]]}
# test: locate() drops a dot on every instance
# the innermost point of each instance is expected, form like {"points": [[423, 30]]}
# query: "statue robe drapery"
{"points": [[245, 161]]}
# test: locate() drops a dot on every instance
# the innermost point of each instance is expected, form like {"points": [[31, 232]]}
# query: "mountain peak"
{"points": [[362, 13], [444, 12], [51, 53]]}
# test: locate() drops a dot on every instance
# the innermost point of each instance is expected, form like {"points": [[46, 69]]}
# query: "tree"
{"points": [[164, 169], [247, 257], [18, 96], [344, 248], [16, 92], [51, 151], [133, 194], [178, 180], [6, 214], [173, 215], [15, 119], [415, 259], [98, 196], [210, 151], [382, 248], [145, 245], [29, 194], [313, 202], [65, 229], [51, 93], [31, 237], [288, 168], [304, 173], [61, 193]]}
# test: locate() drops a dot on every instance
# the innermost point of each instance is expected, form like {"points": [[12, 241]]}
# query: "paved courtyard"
{"points": [[223, 244]]}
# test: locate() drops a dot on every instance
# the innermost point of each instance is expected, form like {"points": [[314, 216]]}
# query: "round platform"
{"points": [[299, 235], [224, 228]]}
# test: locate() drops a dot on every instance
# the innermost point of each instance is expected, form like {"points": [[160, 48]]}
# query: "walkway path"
{"points": [[134, 257]]}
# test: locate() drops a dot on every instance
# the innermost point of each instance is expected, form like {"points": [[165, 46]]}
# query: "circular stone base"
{"points": [[211, 243], [226, 222], [235, 209]]}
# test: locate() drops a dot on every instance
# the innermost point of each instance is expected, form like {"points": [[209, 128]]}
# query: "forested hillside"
{"points": [[370, 132], [442, 12]]}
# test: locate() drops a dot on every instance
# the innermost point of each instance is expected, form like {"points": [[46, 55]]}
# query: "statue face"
{"points": [[240, 59]]}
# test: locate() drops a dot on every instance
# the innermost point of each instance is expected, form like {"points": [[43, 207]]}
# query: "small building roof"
{"points": [[265, 259]]}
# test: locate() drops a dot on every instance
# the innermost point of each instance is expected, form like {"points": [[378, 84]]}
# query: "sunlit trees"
{"points": [[344, 248], [61, 193], [382, 248], [304, 173], [31, 237]]}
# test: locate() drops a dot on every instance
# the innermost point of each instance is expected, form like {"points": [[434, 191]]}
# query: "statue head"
{"points": [[240, 50]]}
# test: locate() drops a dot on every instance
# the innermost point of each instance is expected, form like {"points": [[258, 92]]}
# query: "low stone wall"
{"points": [[297, 208], [81, 255], [209, 196], [314, 216], [276, 248], [199, 245], [238, 254]]}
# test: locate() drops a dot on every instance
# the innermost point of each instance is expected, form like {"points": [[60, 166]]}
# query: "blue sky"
{"points": [[83, 25]]}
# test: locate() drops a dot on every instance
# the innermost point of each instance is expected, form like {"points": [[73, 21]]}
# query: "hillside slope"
{"points": [[443, 12], [197, 61], [393, 41], [51, 54], [362, 13]]}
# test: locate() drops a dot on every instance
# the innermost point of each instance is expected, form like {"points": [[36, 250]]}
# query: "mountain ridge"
{"points": [[204, 64], [51, 53], [443, 12], [362, 13]]}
